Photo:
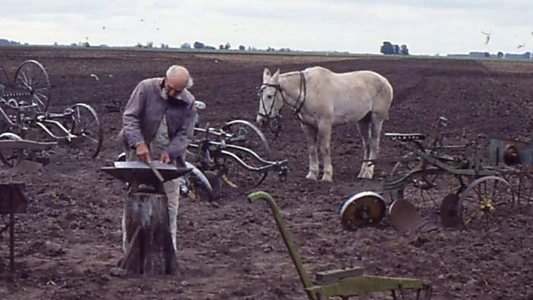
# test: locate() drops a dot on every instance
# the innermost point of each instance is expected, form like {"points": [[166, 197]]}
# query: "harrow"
{"points": [[24, 105]]}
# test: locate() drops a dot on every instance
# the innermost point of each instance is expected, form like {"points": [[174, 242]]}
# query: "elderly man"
{"points": [[158, 123]]}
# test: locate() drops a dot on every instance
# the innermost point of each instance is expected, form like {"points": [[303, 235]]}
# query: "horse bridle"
{"points": [[297, 108]]}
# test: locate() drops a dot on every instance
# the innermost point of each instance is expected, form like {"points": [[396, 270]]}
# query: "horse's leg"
{"points": [[324, 142], [363, 127], [375, 130], [310, 135]]}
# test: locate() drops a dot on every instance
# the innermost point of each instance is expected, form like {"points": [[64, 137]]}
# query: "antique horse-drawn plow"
{"points": [[24, 104], [343, 283], [476, 186], [237, 154]]}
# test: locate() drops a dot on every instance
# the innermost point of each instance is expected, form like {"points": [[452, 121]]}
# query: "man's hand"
{"points": [[165, 158], [143, 153]]}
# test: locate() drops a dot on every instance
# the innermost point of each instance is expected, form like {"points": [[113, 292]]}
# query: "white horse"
{"points": [[320, 99]]}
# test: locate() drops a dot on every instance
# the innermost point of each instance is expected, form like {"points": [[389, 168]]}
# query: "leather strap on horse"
{"points": [[296, 108]]}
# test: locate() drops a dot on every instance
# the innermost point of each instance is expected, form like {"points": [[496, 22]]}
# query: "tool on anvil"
{"points": [[156, 171]]}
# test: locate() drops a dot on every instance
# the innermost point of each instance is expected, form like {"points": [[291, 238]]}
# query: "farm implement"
{"points": [[12, 197], [474, 193], [24, 104], [237, 154], [343, 283]]}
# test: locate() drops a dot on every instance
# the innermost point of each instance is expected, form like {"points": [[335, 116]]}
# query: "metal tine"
{"points": [[393, 293], [400, 288], [429, 291]]}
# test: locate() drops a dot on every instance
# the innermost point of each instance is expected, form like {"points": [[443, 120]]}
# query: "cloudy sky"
{"points": [[359, 26]]}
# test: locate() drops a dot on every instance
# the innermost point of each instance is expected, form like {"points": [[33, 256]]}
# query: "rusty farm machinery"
{"points": [[343, 283], [24, 104], [236, 154], [24, 113], [479, 181]]}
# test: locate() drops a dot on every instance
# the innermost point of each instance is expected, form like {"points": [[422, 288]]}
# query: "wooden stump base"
{"points": [[150, 249]]}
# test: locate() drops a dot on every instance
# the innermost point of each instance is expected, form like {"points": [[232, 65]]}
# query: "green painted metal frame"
{"points": [[342, 287]]}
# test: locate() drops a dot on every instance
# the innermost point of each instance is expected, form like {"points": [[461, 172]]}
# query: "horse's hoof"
{"points": [[327, 179], [311, 176], [365, 176]]}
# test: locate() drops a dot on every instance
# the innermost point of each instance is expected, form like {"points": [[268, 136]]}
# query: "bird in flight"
{"points": [[487, 36]]}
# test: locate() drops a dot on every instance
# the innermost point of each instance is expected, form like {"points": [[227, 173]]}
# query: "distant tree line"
{"points": [[4, 42], [389, 49], [196, 45], [227, 46]]}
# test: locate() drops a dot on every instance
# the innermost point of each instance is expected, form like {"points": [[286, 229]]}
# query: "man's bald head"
{"points": [[178, 77]]}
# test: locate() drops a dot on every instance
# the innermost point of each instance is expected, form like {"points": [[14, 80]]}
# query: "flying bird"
{"points": [[520, 46], [487, 37]]}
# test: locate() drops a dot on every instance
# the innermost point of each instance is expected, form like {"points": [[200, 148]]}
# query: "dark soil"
{"points": [[70, 237]]}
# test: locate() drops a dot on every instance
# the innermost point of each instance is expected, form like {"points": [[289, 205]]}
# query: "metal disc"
{"points": [[363, 209], [404, 217], [449, 211]]}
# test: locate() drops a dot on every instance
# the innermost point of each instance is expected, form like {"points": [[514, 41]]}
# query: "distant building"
{"points": [[526, 55], [499, 55]]}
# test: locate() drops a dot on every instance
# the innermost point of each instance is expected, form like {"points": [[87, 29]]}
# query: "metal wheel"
{"points": [[486, 199], [32, 84], [10, 157], [421, 187], [86, 130], [248, 135], [361, 210], [245, 134], [522, 183]]}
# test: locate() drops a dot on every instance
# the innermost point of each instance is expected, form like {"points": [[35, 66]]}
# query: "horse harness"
{"points": [[297, 108]]}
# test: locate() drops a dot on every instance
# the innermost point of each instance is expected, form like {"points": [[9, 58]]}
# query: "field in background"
{"points": [[70, 237]]}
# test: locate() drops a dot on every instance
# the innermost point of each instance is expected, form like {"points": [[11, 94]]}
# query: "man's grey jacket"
{"points": [[145, 110]]}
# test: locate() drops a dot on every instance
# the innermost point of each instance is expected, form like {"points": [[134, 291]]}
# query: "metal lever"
{"points": [[156, 172]]}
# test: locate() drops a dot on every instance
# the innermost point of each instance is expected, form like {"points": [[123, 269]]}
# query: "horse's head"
{"points": [[270, 99]]}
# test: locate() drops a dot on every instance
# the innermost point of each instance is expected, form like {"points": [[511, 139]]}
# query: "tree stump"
{"points": [[150, 249]]}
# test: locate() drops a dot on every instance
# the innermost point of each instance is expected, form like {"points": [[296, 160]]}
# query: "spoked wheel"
{"points": [[10, 157], [485, 201], [421, 188], [86, 130], [522, 183], [32, 84], [246, 135]]}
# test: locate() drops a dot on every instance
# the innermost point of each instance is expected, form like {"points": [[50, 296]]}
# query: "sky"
{"points": [[427, 27]]}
